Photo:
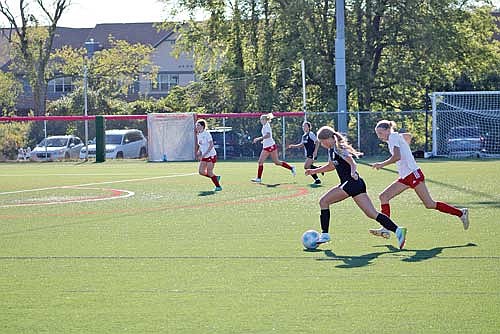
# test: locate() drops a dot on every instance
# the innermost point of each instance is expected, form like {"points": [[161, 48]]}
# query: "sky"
{"points": [[87, 13]]}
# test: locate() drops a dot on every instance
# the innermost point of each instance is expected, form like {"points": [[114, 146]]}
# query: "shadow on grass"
{"points": [[206, 193], [355, 261], [426, 254], [273, 185], [367, 259]]}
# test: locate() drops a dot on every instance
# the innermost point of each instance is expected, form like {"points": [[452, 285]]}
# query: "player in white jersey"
{"points": [[206, 153], [410, 176], [269, 148]]}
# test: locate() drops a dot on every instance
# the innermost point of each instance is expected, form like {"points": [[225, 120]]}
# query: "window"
{"points": [[60, 85], [165, 82]]}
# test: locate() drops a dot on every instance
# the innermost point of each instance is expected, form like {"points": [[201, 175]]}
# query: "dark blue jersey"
{"points": [[341, 165], [309, 142]]}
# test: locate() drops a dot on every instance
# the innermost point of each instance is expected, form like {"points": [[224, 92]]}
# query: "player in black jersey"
{"points": [[311, 145], [340, 158]]}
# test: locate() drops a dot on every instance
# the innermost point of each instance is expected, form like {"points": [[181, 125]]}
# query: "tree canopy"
{"points": [[248, 52]]}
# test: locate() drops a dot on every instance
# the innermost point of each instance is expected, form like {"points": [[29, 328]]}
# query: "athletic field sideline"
{"points": [[137, 247]]}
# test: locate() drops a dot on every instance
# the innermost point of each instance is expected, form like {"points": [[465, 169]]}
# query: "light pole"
{"points": [[340, 77], [303, 68]]}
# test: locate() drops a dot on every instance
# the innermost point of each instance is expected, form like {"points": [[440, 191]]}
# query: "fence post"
{"points": [[283, 138], [100, 138]]}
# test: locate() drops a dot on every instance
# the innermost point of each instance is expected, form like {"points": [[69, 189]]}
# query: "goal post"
{"points": [[171, 136], [466, 124]]}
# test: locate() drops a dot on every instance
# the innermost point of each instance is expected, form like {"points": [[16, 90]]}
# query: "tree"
{"points": [[111, 74], [32, 43], [9, 91]]}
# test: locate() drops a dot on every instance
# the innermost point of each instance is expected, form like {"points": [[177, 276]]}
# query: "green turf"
{"points": [[178, 258]]}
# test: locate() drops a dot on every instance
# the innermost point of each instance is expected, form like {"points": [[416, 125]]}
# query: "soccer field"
{"points": [[137, 247]]}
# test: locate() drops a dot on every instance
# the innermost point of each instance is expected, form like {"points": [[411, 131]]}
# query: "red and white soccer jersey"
{"points": [[204, 139], [406, 164], [267, 141]]}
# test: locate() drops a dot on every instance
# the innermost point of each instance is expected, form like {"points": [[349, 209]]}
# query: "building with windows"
{"points": [[171, 71]]}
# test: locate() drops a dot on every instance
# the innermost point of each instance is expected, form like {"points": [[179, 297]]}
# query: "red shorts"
{"points": [[414, 179], [271, 148], [212, 159]]}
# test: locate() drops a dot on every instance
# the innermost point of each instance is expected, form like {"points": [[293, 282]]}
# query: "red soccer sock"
{"points": [[386, 209], [446, 208], [287, 166], [259, 171], [215, 180]]}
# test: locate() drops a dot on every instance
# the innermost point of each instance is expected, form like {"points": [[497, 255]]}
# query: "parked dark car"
{"points": [[465, 139], [232, 141]]}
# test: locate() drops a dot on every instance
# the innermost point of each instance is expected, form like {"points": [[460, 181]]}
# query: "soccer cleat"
{"points": [[401, 235], [465, 218], [256, 180], [380, 232], [323, 238], [218, 189], [317, 181], [294, 171]]}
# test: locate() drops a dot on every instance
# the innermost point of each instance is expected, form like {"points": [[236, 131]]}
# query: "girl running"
{"points": [[206, 153], [311, 145], [410, 176], [340, 158], [269, 148]]}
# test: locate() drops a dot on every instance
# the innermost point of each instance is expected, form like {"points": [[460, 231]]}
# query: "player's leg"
{"points": [[426, 198], [365, 204], [212, 176], [307, 165], [394, 189], [202, 169], [262, 158], [334, 195], [278, 162]]}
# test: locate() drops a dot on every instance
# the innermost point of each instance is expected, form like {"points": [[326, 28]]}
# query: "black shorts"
{"points": [[309, 154], [353, 187]]}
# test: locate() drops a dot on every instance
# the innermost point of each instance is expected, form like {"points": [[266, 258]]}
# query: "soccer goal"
{"points": [[466, 124], [171, 136]]}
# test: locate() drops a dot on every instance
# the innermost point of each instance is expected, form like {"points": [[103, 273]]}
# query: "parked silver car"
{"points": [[121, 144], [465, 139], [57, 148]]}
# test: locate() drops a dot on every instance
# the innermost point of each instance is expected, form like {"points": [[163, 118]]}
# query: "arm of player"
{"points": [[257, 139], [353, 165], [326, 168], [299, 145], [396, 156], [316, 148], [407, 137]]}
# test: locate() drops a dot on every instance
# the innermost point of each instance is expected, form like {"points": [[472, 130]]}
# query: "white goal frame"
{"points": [[171, 137], [454, 111]]}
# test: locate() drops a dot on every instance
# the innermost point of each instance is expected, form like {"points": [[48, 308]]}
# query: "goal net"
{"points": [[171, 136], [466, 124]]}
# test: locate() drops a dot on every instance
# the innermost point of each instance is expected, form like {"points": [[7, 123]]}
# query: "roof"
{"points": [[144, 33]]}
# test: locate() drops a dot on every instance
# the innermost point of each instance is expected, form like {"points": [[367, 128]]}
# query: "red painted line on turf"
{"points": [[300, 192]]}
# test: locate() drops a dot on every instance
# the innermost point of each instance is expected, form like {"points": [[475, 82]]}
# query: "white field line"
{"points": [[127, 193], [95, 183]]}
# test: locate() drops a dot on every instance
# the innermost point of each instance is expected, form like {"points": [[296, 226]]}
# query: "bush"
{"points": [[12, 136]]}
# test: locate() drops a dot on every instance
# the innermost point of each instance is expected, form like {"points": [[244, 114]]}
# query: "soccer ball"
{"points": [[310, 239]]}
